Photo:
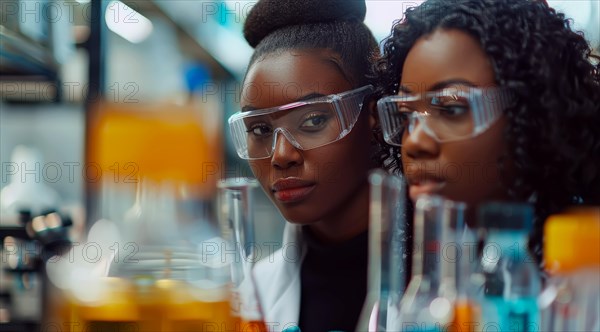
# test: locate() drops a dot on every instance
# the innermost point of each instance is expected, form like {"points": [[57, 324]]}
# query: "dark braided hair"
{"points": [[275, 26], [553, 130]]}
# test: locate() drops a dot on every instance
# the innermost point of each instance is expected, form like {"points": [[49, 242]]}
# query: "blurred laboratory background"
{"points": [[57, 57]]}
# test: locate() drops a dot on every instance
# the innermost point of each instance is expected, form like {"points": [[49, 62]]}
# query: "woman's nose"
{"points": [[285, 155], [417, 143]]}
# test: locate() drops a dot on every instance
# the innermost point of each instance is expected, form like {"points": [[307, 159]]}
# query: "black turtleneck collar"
{"points": [[333, 283]]}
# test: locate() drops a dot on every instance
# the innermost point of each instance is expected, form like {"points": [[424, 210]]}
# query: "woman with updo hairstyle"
{"points": [[307, 133], [493, 100]]}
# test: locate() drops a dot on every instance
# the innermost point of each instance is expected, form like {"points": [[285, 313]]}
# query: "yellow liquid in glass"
{"points": [[253, 326], [165, 306]]}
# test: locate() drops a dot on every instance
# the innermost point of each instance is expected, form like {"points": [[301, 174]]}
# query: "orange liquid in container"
{"points": [[253, 326], [161, 144], [157, 142], [165, 306], [467, 317]]}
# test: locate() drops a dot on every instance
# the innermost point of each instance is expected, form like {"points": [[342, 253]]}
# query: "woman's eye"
{"points": [[450, 106], [453, 110], [260, 130], [403, 108], [314, 122]]}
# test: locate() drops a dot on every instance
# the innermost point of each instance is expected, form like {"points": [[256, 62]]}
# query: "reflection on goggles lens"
{"points": [[306, 124], [308, 127], [445, 115], [308, 120]]}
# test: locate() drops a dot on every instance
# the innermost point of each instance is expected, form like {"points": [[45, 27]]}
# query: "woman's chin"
{"points": [[297, 213], [300, 221]]}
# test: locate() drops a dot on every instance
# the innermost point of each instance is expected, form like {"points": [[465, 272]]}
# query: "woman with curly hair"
{"points": [[513, 105], [307, 136]]}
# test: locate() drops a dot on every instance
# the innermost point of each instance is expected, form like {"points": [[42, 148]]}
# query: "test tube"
{"points": [[387, 236], [237, 227]]}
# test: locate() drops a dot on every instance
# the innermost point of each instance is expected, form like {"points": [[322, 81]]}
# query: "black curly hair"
{"points": [[553, 130], [275, 26]]}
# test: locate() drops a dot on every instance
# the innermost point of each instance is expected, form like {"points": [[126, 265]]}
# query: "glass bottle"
{"points": [[571, 299], [512, 278]]}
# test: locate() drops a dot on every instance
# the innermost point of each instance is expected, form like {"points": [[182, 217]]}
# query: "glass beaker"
{"points": [[428, 303], [149, 263]]}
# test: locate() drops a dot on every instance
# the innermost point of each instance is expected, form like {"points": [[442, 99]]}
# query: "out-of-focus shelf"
{"points": [[28, 71], [22, 56]]}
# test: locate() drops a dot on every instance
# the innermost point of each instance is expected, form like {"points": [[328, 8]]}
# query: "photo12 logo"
{"points": [[52, 172]]}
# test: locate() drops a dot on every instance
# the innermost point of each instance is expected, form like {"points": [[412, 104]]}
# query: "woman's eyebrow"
{"points": [[440, 85], [443, 84], [309, 96], [249, 108], [404, 89]]}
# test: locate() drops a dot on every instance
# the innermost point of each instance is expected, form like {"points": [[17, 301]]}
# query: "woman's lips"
{"points": [[427, 186], [291, 190]]}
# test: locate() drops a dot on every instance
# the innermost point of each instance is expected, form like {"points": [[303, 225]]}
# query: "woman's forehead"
{"points": [[446, 55], [289, 76]]}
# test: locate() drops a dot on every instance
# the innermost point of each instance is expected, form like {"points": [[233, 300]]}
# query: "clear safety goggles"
{"points": [[305, 124], [446, 115]]}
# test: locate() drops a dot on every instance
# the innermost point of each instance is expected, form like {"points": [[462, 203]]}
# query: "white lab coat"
{"points": [[278, 281]]}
